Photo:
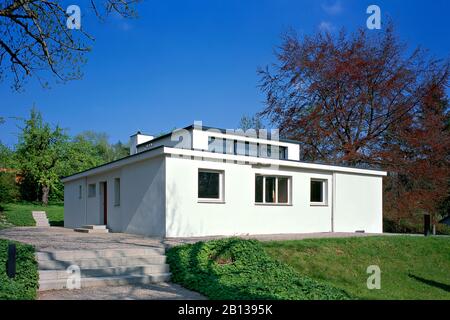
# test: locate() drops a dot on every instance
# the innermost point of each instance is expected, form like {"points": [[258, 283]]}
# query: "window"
{"points": [[215, 144], [210, 185], [272, 189], [318, 194], [91, 190], [117, 192], [80, 192], [282, 153], [240, 147]]}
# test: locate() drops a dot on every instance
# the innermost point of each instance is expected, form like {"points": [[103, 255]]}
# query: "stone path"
{"points": [[162, 291], [57, 238]]}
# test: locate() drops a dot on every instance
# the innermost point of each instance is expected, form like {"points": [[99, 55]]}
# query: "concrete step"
{"points": [[84, 230], [105, 281], [106, 272], [102, 262], [94, 226], [94, 254]]}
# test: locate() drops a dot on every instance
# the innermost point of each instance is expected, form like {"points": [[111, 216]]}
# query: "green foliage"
{"points": [[24, 285], [412, 267], [241, 269], [7, 159], [9, 190], [40, 150], [45, 154]]}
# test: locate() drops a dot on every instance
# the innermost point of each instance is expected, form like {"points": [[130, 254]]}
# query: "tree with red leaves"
{"points": [[362, 100]]}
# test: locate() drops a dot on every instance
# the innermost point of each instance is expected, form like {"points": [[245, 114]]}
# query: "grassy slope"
{"points": [[19, 214], [241, 269], [25, 283], [411, 267]]}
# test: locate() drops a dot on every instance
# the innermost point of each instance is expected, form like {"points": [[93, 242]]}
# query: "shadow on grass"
{"points": [[432, 283], [56, 223]]}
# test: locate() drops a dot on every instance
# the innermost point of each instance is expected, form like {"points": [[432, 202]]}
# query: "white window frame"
{"points": [[221, 198], [324, 202], [276, 203]]}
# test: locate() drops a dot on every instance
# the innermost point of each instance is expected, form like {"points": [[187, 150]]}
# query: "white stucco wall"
{"points": [[239, 214], [74, 206], [141, 209], [358, 203]]}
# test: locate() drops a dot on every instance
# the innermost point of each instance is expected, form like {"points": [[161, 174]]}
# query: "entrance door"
{"points": [[105, 202]]}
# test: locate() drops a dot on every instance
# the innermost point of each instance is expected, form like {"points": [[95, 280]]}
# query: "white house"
{"points": [[201, 181]]}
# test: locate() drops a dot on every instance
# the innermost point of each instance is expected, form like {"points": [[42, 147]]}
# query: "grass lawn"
{"points": [[241, 269], [24, 285], [19, 214], [411, 267]]}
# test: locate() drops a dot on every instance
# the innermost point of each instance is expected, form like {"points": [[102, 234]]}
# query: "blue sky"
{"points": [[182, 61]]}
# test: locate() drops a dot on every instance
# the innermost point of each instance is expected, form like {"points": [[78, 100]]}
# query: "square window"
{"points": [[318, 191], [210, 185], [92, 190], [272, 189]]}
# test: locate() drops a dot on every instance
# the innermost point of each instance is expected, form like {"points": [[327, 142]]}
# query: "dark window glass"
{"points": [[283, 153], [208, 185], [270, 189], [259, 188], [316, 191], [283, 190], [247, 148]]}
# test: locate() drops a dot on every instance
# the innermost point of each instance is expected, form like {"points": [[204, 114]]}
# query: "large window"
{"points": [[210, 185], [272, 189], [318, 193]]}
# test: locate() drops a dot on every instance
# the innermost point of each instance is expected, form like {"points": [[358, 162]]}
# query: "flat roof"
{"points": [[163, 150]]}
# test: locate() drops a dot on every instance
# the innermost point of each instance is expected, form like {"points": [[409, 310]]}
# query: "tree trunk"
{"points": [[45, 192]]}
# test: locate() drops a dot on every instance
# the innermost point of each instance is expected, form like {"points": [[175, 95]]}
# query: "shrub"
{"points": [[9, 191], [241, 269], [24, 285]]}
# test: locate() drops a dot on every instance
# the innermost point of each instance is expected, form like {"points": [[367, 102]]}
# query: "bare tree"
{"points": [[35, 40]]}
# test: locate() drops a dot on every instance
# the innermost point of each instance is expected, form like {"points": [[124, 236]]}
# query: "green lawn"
{"points": [[24, 285], [241, 269], [19, 214], [411, 267]]}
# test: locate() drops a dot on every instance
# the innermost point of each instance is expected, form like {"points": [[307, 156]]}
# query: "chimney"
{"points": [[137, 139]]}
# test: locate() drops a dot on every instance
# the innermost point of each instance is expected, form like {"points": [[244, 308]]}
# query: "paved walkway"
{"points": [[161, 291], [57, 238]]}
